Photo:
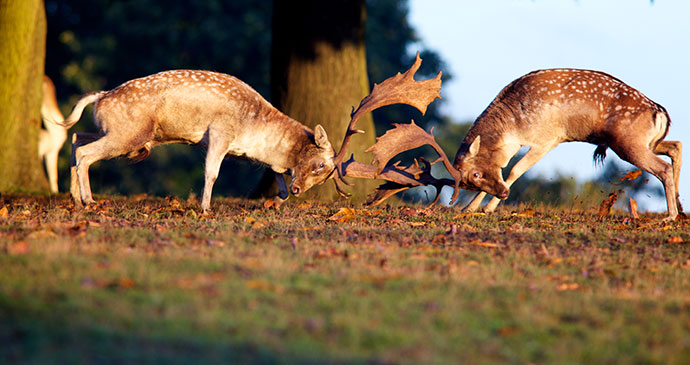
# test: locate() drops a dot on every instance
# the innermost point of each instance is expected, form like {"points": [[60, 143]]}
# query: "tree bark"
{"points": [[22, 57], [319, 72]]}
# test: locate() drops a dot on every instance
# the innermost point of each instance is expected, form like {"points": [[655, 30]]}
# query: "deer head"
{"points": [[315, 164], [398, 89]]}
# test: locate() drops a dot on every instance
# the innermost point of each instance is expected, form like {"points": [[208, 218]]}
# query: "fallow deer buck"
{"points": [[545, 108], [53, 136], [198, 107]]}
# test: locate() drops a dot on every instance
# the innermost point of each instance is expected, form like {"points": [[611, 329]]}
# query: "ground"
{"points": [[145, 279]]}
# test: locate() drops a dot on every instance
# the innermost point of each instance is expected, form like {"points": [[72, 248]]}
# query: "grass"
{"points": [[151, 280]]}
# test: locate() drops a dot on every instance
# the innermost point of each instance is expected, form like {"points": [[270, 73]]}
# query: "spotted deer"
{"points": [[548, 107], [198, 107], [52, 136]]}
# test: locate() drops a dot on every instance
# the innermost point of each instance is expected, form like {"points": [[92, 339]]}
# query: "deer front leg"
{"points": [[526, 162], [214, 157], [474, 204]]}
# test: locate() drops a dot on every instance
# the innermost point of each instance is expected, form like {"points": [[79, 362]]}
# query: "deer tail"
{"points": [[600, 155], [87, 99]]}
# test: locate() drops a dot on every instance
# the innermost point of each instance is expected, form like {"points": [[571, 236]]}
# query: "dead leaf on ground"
{"points": [[18, 248], [263, 285], [568, 286], [675, 239], [472, 214], [525, 213], [343, 215], [4, 212], [44, 233], [486, 244], [631, 175]]}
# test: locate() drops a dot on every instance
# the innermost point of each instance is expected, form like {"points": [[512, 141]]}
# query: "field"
{"points": [[145, 279]]}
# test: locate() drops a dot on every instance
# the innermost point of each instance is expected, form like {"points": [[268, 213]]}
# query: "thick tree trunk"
{"points": [[319, 73], [22, 57]]}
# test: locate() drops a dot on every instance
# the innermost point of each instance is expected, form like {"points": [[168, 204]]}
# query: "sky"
{"points": [[489, 43]]}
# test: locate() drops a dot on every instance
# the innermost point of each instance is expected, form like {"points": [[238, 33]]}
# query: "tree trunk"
{"points": [[318, 73], [22, 57]]}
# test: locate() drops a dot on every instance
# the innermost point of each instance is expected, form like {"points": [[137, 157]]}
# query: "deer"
{"points": [[52, 136], [547, 107], [198, 107]]}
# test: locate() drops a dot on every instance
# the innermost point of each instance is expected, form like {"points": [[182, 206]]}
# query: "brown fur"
{"points": [[548, 107], [199, 107]]}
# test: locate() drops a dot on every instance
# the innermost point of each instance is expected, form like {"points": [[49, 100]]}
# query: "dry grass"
{"points": [[146, 279]]}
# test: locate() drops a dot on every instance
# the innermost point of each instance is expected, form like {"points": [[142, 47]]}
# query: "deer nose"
{"points": [[295, 190], [503, 194]]}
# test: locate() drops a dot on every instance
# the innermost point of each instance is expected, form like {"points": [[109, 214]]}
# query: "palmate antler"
{"points": [[398, 89]]}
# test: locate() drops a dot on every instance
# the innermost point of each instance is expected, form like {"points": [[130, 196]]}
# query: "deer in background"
{"points": [[545, 108], [51, 138], [198, 107]]}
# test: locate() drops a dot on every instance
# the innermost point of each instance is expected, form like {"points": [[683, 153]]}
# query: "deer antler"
{"points": [[398, 89]]}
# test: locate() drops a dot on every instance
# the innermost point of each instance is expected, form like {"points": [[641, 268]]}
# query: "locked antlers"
{"points": [[398, 89]]}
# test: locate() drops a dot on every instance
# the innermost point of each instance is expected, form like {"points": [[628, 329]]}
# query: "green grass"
{"points": [[152, 280]]}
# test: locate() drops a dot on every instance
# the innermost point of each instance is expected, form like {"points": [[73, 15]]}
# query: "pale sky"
{"points": [[489, 43]]}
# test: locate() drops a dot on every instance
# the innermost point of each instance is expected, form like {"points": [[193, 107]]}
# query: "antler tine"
{"points": [[398, 89]]}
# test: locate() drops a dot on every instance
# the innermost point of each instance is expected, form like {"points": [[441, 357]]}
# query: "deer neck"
{"points": [[286, 139]]}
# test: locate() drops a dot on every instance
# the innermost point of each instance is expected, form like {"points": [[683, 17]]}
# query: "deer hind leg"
{"points": [[672, 149], [78, 139], [644, 158], [534, 154], [217, 149], [106, 147]]}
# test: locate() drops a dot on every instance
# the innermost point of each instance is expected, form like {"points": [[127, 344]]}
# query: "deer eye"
{"points": [[322, 165], [477, 174]]}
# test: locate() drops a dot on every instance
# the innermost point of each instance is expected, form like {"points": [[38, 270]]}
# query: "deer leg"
{"points": [[526, 162], [644, 158], [78, 139], [214, 157], [672, 149], [474, 204], [104, 148], [51, 161]]}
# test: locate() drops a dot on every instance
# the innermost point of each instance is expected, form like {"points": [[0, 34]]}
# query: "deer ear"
{"points": [[320, 137], [474, 147]]}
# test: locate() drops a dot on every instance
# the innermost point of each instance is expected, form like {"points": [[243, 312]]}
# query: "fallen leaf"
{"points": [[4, 213], [216, 243], [675, 239], [126, 283], [303, 206], [271, 203], [343, 215], [633, 208], [44, 233], [473, 214], [417, 224], [525, 213], [605, 207], [250, 219], [18, 248], [486, 244], [631, 175], [567, 286]]}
